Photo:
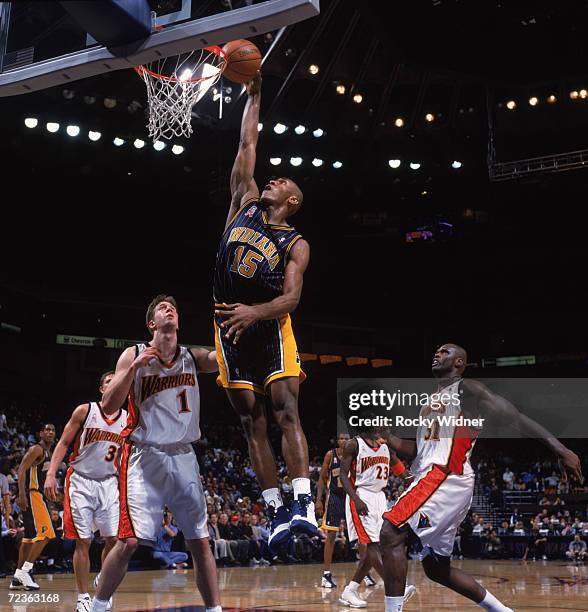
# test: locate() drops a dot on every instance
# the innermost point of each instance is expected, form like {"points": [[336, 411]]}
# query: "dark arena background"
{"points": [[447, 207]]}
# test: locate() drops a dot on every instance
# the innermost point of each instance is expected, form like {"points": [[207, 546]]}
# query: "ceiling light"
{"points": [[158, 145], [340, 89], [280, 128], [533, 100], [583, 94], [394, 163], [118, 142], [511, 105], [259, 127], [94, 136], [31, 122], [109, 102], [139, 144], [52, 127], [358, 98], [574, 94], [456, 164], [296, 161], [552, 99], [300, 129], [177, 149], [313, 69], [275, 161], [429, 117], [414, 165], [337, 165], [72, 130], [399, 122], [316, 162]]}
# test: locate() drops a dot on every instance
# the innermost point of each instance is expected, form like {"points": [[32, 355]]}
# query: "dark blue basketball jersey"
{"points": [[334, 483], [252, 257]]}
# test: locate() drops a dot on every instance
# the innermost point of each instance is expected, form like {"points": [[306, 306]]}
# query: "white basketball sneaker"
{"points": [[409, 591], [23, 579], [351, 598], [109, 604], [84, 604]]}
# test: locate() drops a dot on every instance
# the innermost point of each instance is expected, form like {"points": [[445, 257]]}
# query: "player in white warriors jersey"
{"points": [[90, 498], [438, 500], [366, 466], [158, 464]]}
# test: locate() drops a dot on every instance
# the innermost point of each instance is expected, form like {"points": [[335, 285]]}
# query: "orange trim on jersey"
{"points": [[43, 524], [460, 446], [107, 420], [410, 503], [362, 534], [69, 527], [126, 529]]}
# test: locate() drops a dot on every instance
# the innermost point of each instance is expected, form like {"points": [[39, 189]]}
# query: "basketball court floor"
{"points": [[543, 585]]}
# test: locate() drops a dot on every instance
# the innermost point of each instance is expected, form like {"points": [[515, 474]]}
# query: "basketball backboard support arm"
{"points": [[180, 38]]}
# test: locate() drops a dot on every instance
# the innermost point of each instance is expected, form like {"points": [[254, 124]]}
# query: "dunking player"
{"points": [[438, 500], [330, 484], [365, 468], [260, 263], [158, 464], [91, 484], [38, 529]]}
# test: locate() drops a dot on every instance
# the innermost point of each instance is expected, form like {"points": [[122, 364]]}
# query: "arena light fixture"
{"points": [[340, 89], [318, 133], [275, 161], [259, 127], [551, 99], [300, 129], [94, 136], [177, 149], [31, 122], [533, 100], [399, 122], [358, 98], [511, 105], [118, 142], [73, 130], [280, 128], [583, 94], [574, 94], [296, 161], [139, 144], [456, 164], [337, 165], [313, 69], [158, 145], [414, 165], [52, 127], [317, 163], [429, 117], [394, 163]]}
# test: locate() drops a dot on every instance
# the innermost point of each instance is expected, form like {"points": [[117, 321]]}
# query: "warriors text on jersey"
{"points": [[35, 475], [447, 446], [97, 443], [371, 467], [164, 402], [252, 256]]}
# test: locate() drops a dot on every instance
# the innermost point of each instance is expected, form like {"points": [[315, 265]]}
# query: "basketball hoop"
{"points": [[175, 85]]}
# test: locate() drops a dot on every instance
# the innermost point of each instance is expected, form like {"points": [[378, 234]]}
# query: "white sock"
{"points": [[325, 572], [83, 595], [99, 605], [215, 609], [492, 604], [27, 566], [273, 498], [394, 604], [301, 486], [353, 586]]}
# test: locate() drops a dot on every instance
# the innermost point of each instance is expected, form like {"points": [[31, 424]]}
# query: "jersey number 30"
{"points": [[247, 265]]}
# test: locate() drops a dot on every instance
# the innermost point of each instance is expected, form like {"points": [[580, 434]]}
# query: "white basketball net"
{"points": [[174, 85]]}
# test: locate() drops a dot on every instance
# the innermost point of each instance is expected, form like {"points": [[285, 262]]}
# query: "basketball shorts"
{"points": [[36, 519], [335, 512], [434, 506], [153, 477], [366, 529], [265, 352], [90, 504]]}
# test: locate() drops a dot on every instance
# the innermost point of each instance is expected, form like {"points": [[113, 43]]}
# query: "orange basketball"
{"points": [[243, 61]]}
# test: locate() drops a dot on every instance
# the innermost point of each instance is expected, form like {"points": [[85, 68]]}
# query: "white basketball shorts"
{"points": [[366, 529], [434, 506], [90, 504], [153, 477]]}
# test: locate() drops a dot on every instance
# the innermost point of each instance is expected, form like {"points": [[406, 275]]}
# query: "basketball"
{"points": [[243, 61]]}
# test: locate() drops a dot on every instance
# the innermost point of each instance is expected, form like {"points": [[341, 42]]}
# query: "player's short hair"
{"points": [[162, 297], [41, 426], [104, 376]]}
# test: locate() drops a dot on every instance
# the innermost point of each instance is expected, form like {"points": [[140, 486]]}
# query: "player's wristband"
{"points": [[398, 468]]}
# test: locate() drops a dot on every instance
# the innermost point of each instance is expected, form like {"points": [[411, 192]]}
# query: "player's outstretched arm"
{"points": [[321, 485], [243, 185], [495, 406], [205, 359], [34, 453], [67, 437], [240, 316], [120, 385]]}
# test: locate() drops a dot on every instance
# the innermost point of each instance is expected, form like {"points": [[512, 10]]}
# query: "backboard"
{"points": [[41, 45]]}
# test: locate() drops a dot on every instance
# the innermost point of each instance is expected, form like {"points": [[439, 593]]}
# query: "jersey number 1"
{"points": [[183, 402], [248, 265]]}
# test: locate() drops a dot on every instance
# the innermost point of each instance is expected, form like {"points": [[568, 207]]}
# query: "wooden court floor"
{"points": [[543, 585]]}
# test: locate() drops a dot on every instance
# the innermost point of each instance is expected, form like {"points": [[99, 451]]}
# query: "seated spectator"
{"points": [[552, 481], [519, 529], [492, 545], [515, 517], [577, 549], [508, 478], [479, 527], [559, 502], [536, 545], [504, 528], [520, 485], [162, 550], [544, 501]]}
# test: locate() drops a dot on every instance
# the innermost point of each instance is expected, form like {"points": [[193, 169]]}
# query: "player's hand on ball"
{"points": [[570, 464], [146, 356], [361, 507], [51, 487], [238, 318], [254, 86], [318, 507]]}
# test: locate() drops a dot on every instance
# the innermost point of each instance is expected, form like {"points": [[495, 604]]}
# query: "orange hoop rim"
{"points": [[141, 70]]}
